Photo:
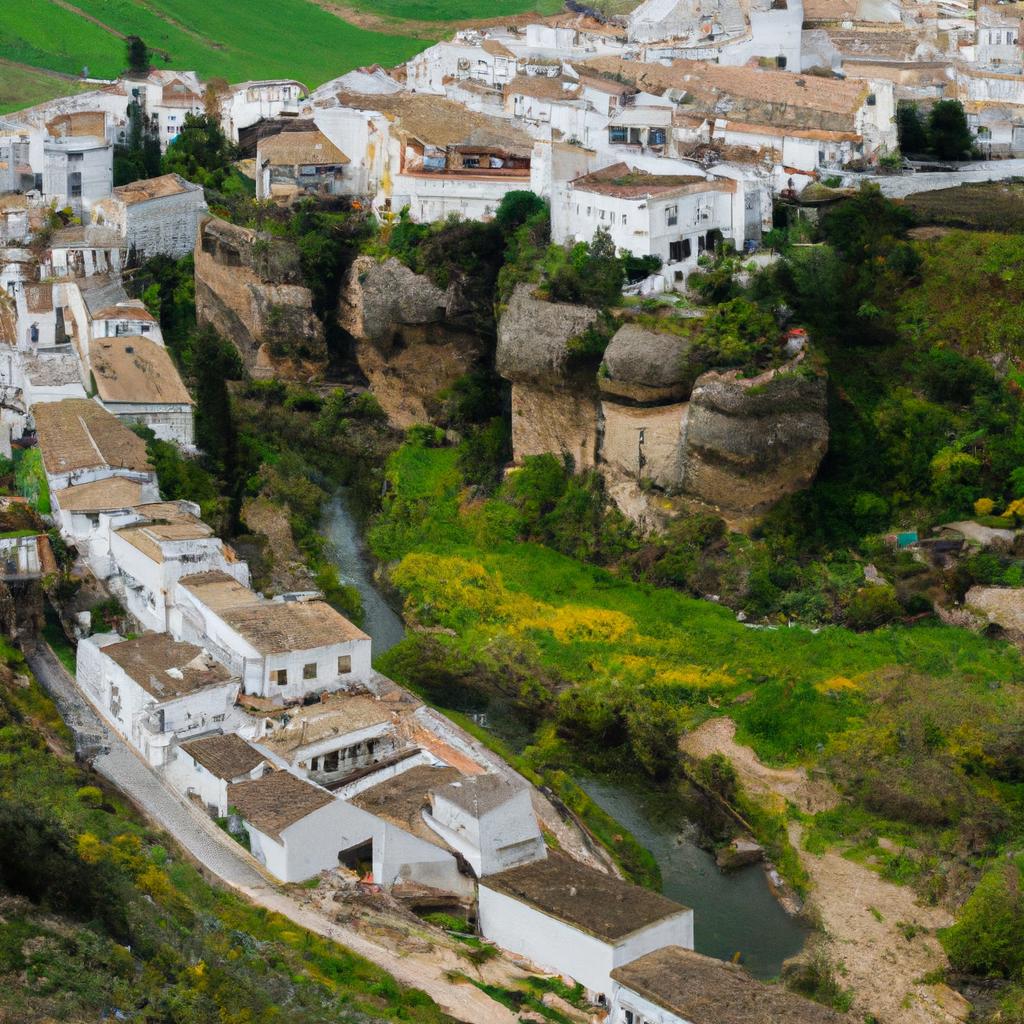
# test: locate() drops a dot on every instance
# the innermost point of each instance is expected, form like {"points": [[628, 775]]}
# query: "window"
{"points": [[656, 137], [623, 218], [671, 215], [618, 135], [471, 161], [627, 1017], [780, 63], [679, 250], [872, 99], [344, 664], [588, 211], [171, 129], [309, 671], [279, 676], [601, 214]]}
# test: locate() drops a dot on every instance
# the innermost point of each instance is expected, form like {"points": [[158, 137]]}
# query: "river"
{"points": [[733, 914]]}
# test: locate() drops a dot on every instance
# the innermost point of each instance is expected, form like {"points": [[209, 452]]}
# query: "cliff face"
{"points": [[249, 288], [554, 407], [664, 441], [412, 339]]}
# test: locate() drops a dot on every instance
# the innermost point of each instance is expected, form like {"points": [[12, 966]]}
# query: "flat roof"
{"points": [[340, 714], [154, 188], [166, 668], [79, 433], [149, 537], [100, 495], [134, 370], [225, 755], [601, 905], [479, 794], [131, 309], [277, 800], [624, 182], [703, 990]]}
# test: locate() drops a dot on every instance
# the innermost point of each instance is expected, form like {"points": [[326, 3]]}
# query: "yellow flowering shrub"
{"points": [[984, 507]]}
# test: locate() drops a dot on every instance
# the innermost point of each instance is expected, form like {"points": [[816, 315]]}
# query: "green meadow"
{"points": [[453, 10]]}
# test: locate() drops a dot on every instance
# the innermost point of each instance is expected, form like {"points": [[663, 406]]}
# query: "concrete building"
{"points": [[489, 821], [674, 985], [203, 768], [674, 217], [137, 381], [77, 172], [246, 103], [579, 922], [155, 217], [80, 441], [284, 649], [154, 690]]}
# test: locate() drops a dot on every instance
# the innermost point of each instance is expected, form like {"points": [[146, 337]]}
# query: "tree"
{"points": [[140, 156], [947, 127], [516, 208], [138, 55], [200, 153], [910, 128]]}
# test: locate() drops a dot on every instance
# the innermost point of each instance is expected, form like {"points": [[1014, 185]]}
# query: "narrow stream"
{"points": [[733, 914]]}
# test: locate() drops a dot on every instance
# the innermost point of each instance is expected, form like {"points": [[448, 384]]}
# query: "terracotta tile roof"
{"points": [[336, 716], [703, 990], [543, 87], [226, 756], [436, 121], [625, 182], [273, 802], [400, 800], [78, 123], [154, 188], [171, 511], [599, 904], [272, 627], [135, 369], [479, 793], [80, 434], [784, 132], [100, 495], [133, 309], [165, 668], [290, 148], [496, 49]]}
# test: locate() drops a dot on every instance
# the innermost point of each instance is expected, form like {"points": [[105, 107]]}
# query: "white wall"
{"points": [[644, 1010], [170, 422]]}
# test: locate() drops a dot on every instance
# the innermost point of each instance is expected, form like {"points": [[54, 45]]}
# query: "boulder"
{"points": [[738, 854], [534, 336], [249, 288], [646, 366], [750, 442]]}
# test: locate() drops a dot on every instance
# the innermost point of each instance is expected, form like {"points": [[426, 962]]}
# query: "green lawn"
{"points": [[232, 39], [454, 10], [23, 87]]}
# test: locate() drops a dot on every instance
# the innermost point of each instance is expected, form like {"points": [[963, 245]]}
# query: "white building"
{"points": [[154, 690], [296, 829], [579, 922], [998, 45], [167, 97], [673, 985], [148, 559], [284, 649], [673, 217], [203, 768], [78, 511], [246, 103], [156, 217], [295, 163], [82, 251], [80, 441], [484, 60], [137, 381], [77, 172], [489, 821]]}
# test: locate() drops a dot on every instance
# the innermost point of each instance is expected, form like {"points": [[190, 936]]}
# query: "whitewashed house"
{"points": [[126, 317], [155, 217], [136, 380], [674, 985], [674, 217], [484, 60], [154, 690], [78, 511], [998, 39], [80, 441], [82, 251], [576, 921], [203, 768], [246, 103], [284, 649], [489, 821], [291, 164], [148, 559], [167, 97], [295, 828]]}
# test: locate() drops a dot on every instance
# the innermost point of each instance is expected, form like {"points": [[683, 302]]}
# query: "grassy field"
{"points": [[986, 206], [22, 87], [233, 39], [453, 10]]}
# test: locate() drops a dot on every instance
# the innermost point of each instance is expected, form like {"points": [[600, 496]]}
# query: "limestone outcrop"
{"points": [[665, 438], [555, 407], [249, 288], [749, 442], [412, 339]]}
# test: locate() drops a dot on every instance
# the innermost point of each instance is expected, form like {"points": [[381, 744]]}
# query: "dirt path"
{"points": [[882, 939], [777, 785], [88, 17]]}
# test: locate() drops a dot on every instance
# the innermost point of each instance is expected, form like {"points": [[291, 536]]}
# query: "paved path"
{"points": [[898, 186], [222, 857]]}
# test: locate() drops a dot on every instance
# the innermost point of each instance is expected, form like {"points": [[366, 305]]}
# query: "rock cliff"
{"points": [[412, 339], [249, 288], [555, 407]]}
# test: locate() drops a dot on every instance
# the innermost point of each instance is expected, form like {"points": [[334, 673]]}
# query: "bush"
{"points": [[872, 607], [988, 939]]}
